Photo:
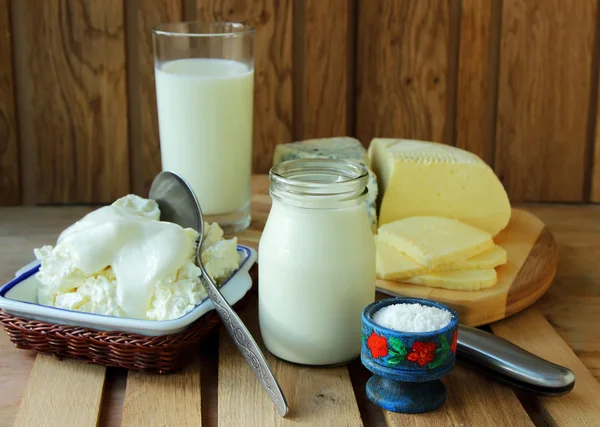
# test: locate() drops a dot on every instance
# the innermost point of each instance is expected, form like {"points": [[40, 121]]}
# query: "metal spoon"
{"points": [[178, 204]]}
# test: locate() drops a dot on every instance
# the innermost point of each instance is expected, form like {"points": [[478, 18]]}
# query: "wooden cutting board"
{"points": [[532, 258]]}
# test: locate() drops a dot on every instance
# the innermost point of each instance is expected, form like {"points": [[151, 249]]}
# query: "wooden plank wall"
{"points": [[515, 81], [10, 188], [545, 80]]}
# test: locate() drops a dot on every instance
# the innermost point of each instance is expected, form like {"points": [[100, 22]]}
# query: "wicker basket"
{"points": [[156, 354]]}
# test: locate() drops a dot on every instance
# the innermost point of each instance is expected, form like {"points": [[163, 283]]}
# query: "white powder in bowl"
{"points": [[412, 317]]}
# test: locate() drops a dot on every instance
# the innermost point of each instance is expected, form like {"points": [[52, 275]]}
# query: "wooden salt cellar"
{"points": [[407, 366]]}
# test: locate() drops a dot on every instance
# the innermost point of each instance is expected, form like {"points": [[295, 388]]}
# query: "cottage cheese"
{"points": [[122, 261]]}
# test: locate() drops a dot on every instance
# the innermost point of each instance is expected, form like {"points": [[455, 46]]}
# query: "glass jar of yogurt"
{"points": [[316, 262]]}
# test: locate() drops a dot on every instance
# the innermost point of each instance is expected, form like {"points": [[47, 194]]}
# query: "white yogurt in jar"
{"points": [[316, 262]]}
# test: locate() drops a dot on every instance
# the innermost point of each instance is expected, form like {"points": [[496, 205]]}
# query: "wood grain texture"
{"points": [[471, 400], [581, 407], [61, 393], [14, 371], [370, 414], [402, 69], [76, 105], [315, 396], [474, 103], [437, 418], [164, 400], [273, 98], [571, 304], [595, 184], [532, 257], [149, 14], [541, 144], [324, 69], [10, 184]]}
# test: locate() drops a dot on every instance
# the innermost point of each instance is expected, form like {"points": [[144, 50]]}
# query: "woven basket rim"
{"points": [[111, 337]]}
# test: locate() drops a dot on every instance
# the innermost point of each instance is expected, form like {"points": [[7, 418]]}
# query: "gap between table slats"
{"points": [[164, 400], [61, 393]]}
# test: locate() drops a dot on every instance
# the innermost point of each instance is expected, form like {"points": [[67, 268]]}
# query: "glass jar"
{"points": [[316, 262]]}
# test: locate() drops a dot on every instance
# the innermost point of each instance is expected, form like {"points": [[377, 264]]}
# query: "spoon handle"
{"points": [[246, 344]]}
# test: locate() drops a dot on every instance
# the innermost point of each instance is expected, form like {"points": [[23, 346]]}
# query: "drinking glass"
{"points": [[204, 92]]}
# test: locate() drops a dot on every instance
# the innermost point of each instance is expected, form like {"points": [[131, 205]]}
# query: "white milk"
{"points": [[205, 117], [317, 273]]}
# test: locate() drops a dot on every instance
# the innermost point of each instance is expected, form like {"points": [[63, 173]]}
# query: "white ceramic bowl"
{"points": [[19, 297]]}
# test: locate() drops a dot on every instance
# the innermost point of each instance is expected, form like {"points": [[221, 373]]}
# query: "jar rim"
{"points": [[289, 171], [327, 182]]}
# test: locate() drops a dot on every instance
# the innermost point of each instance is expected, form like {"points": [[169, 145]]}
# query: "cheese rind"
{"points": [[433, 241], [395, 265], [418, 178], [341, 148], [468, 280]]}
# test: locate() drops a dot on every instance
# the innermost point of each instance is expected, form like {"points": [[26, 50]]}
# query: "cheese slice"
{"points": [[393, 264], [468, 280], [432, 241], [418, 178], [396, 265]]}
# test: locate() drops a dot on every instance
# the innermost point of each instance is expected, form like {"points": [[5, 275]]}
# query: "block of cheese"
{"points": [[342, 148], [434, 240], [396, 265], [418, 178], [468, 280]]}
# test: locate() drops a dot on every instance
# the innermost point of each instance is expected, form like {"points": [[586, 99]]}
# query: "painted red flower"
{"points": [[377, 345], [454, 341], [422, 353]]}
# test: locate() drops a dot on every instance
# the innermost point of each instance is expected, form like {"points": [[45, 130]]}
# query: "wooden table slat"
{"points": [[62, 393], [530, 330], [437, 418], [474, 400], [164, 400]]}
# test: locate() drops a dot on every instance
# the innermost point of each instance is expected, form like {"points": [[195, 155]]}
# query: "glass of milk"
{"points": [[204, 89]]}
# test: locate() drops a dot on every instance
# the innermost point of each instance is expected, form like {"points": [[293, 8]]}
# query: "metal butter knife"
{"points": [[512, 365]]}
